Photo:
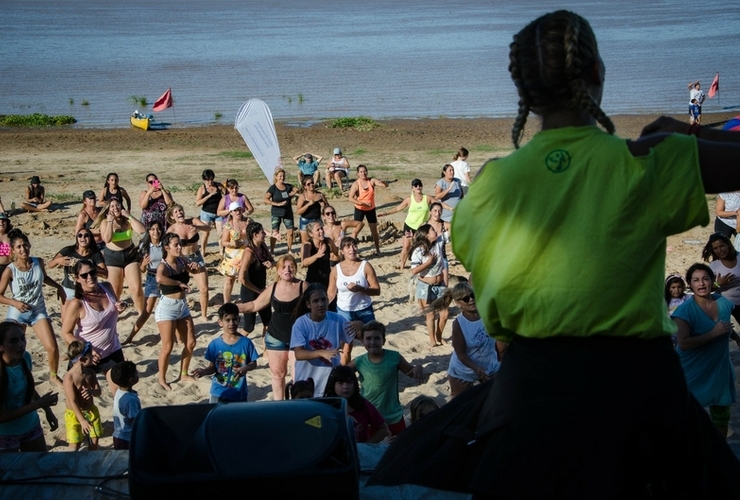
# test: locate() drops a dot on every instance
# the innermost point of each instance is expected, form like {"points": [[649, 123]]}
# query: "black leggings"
{"points": [[721, 227]]}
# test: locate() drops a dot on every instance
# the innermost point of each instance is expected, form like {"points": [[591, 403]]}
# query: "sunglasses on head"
{"points": [[92, 273], [467, 298]]}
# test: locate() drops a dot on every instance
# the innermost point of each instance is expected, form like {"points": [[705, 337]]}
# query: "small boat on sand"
{"points": [[140, 121]]}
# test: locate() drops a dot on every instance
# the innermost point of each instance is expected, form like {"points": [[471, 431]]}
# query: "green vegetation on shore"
{"points": [[362, 123], [35, 120]]}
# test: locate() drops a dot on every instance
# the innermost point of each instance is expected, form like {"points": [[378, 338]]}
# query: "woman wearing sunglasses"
{"points": [[92, 315], [84, 248]]}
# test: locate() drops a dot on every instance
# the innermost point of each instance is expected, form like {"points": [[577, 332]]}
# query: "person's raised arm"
{"points": [[719, 151], [262, 301], [405, 203]]}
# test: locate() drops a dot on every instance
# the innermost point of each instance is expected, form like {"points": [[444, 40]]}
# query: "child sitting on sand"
{"points": [[231, 356], [126, 404], [378, 370], [80, 386]]}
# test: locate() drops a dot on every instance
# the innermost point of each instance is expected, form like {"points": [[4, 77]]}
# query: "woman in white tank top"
{"points": [[353, 282]]}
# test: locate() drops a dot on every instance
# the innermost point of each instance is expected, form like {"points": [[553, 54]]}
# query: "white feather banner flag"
{"points": [[254, 123]]}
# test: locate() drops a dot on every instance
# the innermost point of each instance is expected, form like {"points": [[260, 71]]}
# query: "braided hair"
{"points": [[551, 62]]}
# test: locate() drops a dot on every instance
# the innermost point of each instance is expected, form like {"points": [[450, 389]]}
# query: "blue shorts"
{"points": [[275, 222], [303, 223], [273, 344], [425, 291], [171, 309], [28, 318], [151, 288], [365, 315], [210, 218]]}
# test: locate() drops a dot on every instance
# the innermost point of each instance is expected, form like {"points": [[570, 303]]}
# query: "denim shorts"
{"points": [[171, 309], [28, 318], [425, 291], [209, 218], [365, 315], [274, 344], [275, 222], [303, 223], [151, 288], [196, 257]]}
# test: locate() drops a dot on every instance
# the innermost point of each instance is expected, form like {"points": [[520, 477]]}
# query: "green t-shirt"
{"points": [[380, 384], [573, 238]]}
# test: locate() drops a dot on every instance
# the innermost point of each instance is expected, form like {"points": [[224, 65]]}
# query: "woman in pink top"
{"points": [[91, 316]]}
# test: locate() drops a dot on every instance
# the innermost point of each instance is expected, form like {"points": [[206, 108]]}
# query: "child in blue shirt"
{"points": [[231, 356], [126, 404]]}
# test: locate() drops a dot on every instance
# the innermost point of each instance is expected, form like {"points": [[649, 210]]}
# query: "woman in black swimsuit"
{"points": [[256, 260], [284, 295]]}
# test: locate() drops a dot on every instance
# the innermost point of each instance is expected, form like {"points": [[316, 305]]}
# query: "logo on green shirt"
{"points": [[557, 161]]}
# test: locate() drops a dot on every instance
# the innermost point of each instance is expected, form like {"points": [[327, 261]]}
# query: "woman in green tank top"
{"points": [[418, 205]]}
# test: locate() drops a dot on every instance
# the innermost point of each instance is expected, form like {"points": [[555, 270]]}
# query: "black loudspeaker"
{"points": [[272, 449]]}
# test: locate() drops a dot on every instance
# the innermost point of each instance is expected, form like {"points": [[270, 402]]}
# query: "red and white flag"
{"points": [[163, 102], [714, 87]]}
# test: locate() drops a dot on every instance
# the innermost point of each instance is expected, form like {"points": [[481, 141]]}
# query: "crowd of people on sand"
{"points": [[559, 355], [308, 325]]}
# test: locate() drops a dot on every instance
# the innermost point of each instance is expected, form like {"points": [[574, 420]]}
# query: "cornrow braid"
{"points": [[517, 130], [575, 68]]}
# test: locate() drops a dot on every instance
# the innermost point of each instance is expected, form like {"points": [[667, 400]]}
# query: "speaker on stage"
{"points": [[269, 449]]}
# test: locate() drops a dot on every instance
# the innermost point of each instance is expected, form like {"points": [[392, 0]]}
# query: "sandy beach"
{"points": [[69, 161]]}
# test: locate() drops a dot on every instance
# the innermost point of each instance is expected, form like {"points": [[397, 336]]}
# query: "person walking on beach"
{"points": [[539, 285], [698, 95]]}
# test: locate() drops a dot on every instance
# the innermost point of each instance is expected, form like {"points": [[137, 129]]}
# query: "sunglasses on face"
{"points": [[416, 185], [92, 273], [327, 214], [467, 298], [83, 235], [152, 181], [87, 350]]}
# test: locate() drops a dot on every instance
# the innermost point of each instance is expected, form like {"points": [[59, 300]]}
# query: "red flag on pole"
{"points": [[163, 102], [714, 87]]}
